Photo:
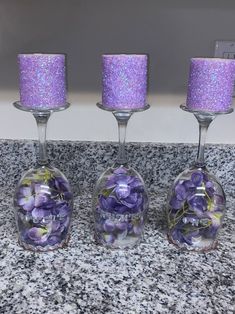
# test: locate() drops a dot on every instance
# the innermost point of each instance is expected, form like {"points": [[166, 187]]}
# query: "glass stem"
{"points": [[41, 119], [122, 120], [204, 122]]}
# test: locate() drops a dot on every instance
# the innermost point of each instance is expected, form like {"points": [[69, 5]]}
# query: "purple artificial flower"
{"points": [[126, 195], [219, 200], [110, 204], [61, 209], [26, 198], [210, 190], [189, 186], [55, 225], [109, 238], [109, 226], [180, 192], [130, 201], [138, 228], [42, 194], [175, 203], [122, 190], [197, 178], [198, 204], [120, 170], [61, 184], [52, 240], [38, 235], [122, 226], [40, 213], [179, 234]]}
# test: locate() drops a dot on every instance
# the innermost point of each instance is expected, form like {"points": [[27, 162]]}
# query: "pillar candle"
{"points": [[42, 80], [210, 85], [124, 79]]}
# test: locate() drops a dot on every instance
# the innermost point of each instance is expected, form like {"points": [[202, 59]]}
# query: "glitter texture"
{"points": [[42, 80], [124, 79], [210, 85]]}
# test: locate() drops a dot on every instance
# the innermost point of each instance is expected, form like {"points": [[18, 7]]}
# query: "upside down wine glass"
{"points": [[43, 198], [196, 202], [120, 200]]}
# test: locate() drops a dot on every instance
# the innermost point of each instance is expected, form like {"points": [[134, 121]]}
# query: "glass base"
{"points": [[196, 207], [63, 244], [206, 247], [120, 204], [119, 231]]}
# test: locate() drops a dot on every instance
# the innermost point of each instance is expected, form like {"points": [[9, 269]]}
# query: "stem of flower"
{"points": [[204, 121], [42, 119], [122, 118]]}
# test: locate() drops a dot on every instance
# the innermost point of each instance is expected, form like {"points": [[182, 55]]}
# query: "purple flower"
{"points": [[109, 238], [109, 226], [189, 186], [219, 199], [180, 234], [210, 190], [42, 193], [138, 228], [197, 178], [180, 192], [52, 240], [55, 225], [110, 203], [38, 235], [175, 203], [40, 213], [123, 190], [26, 198], [61, 209], [122, 226], [198, 204], [126, 193], [120, 170], [61, 184]]}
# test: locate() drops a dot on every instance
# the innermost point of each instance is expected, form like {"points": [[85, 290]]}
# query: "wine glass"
{"points": [[43, 198], [120, 199], [196, 202]]}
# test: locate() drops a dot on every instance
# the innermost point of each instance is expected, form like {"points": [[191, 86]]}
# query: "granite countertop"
{"points": [[153, 278]]}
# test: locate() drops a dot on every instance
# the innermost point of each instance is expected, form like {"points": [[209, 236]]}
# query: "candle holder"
{"points": [[196, 202], [120, 199], [43, 198]]}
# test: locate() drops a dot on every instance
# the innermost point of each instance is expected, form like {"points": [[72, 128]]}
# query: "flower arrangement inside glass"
{"points": [[43, 198], [196, 202], [120, 200]]}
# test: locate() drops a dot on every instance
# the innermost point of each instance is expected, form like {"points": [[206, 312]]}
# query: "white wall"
{"points": [[163, 122]]}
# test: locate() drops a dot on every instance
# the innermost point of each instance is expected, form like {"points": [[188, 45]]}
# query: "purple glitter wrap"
{"points": [[210, 85], [42, 80], [124, 79]]}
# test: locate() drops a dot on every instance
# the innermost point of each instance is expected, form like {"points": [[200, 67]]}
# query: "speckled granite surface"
{"points": [[84, 278]]}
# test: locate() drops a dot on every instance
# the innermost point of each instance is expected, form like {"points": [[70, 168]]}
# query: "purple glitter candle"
{"points": [[42, 80], [124, 79], [210, 85]]}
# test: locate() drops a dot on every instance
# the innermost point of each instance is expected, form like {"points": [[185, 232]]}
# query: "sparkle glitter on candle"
{"points": [[210, 85], [42, 80], [124, 79]]}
